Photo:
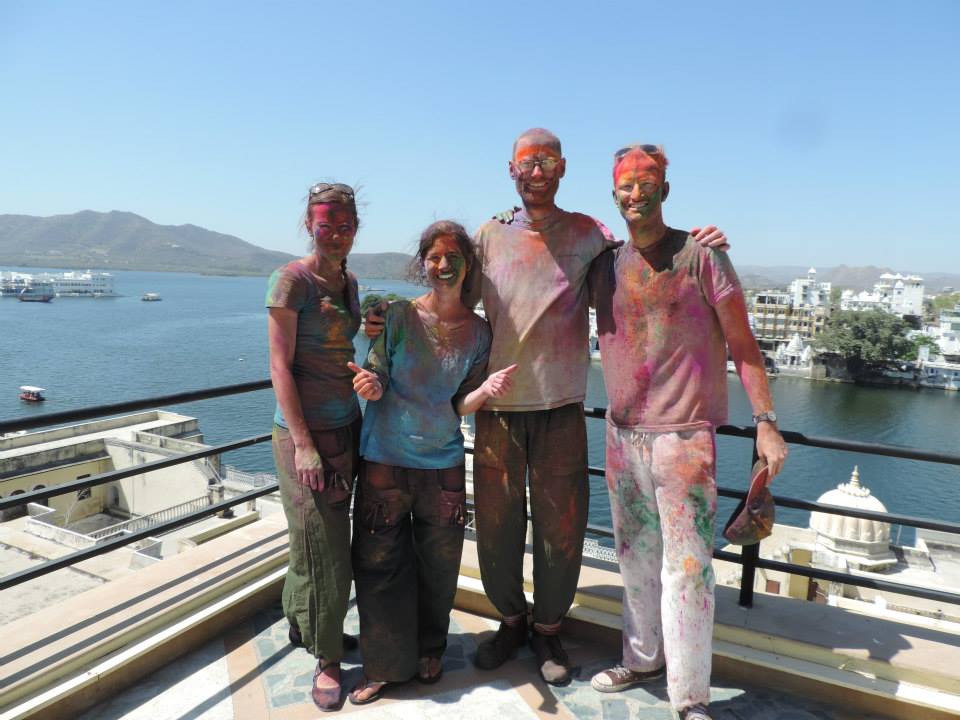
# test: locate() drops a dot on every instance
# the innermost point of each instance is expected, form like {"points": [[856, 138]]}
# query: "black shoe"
{"points": [[501, 647], [350, 643], [552, 660]]}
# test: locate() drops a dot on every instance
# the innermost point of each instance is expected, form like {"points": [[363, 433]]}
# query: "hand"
{"points": [[309, 467], [771, 448], [365, 383], [374, 321], [499, 383], [711, 236], [506, 216]]}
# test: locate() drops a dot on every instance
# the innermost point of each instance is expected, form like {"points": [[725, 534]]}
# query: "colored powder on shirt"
{"points": [[326, 324], [662, 347], [424, 367], [534, 295]]}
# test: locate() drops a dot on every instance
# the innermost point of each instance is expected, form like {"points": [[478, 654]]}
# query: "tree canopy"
{"points": [[867, 340]]}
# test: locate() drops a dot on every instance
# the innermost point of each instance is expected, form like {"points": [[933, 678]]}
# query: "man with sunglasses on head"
{"points": [[667, 309]]}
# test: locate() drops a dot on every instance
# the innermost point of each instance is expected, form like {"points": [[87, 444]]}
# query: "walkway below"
{"points": [[253, 673]]}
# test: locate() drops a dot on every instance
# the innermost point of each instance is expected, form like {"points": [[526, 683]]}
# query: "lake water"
{"points": [[210, 331]]}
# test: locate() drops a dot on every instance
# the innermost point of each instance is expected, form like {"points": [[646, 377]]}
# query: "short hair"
{"points": [[544, 136]]}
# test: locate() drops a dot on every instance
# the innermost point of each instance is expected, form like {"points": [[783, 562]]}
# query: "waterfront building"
{"points": [[776, 318], [893, 293], [37, 460], [66, 284]]}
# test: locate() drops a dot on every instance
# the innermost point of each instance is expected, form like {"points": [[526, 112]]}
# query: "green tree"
{"points": [[867, 340], [919, 341]]}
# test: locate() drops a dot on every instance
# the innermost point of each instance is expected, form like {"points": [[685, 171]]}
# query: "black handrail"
{"points": [[58, 418], [110, 476], [749, 558], [126, 538]]}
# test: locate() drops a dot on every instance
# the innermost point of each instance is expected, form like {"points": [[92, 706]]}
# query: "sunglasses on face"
{"points": [[322, 188], [648, 149], [546, 163]]}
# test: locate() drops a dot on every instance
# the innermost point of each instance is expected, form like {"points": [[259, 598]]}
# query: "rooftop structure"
{"points": [[897, 294]]}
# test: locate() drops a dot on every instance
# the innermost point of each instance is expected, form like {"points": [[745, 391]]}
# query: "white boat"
{"points": [[151, 297]]}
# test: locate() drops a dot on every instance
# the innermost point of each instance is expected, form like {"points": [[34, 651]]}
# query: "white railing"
{"points": [[142, 522], [254, 480]]}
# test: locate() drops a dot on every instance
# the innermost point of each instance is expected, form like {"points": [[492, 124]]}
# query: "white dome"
{"points": [[851, 495]]}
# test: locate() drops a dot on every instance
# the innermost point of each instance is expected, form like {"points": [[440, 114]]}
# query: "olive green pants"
{"points": [[550, 445], [317, 587]]}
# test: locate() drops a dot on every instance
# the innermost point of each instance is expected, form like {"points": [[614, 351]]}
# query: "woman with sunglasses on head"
{"points": [[314, 313], [422, 373]]}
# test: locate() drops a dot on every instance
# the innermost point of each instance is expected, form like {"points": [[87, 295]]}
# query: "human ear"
{"points": [[513, 170]]}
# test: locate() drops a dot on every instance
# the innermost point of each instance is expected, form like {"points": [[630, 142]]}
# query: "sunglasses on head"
{"points": [[648, 149], [322, 188]]}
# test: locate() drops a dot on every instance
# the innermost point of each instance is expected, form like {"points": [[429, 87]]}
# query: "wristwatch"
{"points": [[766, 416]]}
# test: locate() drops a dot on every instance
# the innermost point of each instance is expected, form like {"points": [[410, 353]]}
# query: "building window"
{"points": [[773, 587]]}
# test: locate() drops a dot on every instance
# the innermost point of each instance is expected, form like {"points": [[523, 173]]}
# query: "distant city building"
{"points": [[67, 284], [802, 310], [807, 291], [896, 294], [940, 366]]}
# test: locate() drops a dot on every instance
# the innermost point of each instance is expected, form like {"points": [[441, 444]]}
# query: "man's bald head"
{"points": [[537, 136]]}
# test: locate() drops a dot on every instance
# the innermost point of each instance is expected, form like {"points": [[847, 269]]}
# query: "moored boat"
{"points": [[37, 292], [151, 297]]}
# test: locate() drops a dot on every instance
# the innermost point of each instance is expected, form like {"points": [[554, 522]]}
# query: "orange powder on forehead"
{"points": [[640, 163]]}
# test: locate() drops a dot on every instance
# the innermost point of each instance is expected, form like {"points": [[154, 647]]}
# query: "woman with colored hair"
{"points": [[422, 373], [314, 313]]}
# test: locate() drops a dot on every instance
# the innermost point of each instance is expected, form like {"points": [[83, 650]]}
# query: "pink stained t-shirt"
{"points": [[662, 347], [534, 295]]}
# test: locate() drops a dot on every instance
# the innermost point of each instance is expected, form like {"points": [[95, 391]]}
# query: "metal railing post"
{"points": [[750, 555]]}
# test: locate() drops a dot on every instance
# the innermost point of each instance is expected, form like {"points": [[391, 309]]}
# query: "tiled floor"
{"points": [[254, 674]]}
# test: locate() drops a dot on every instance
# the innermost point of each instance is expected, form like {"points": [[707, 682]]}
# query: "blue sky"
{"points": [[814, 133]]}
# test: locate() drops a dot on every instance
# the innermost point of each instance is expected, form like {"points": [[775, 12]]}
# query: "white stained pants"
{"points": [[663, 499]]}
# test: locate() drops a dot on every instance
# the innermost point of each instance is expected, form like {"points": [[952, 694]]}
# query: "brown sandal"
{"points": [[364, 684], [328, 698]]}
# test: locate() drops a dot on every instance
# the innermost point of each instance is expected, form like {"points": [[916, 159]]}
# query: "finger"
{"points": [[353, 366], [700, 233], [508, 370]]}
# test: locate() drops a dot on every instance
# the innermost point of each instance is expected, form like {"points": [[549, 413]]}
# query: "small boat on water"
{"points": [[32, 393], [151, 297], [38, 292]]}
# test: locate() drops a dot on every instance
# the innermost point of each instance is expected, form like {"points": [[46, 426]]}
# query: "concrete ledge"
{"points": [[220, 529], [50, 673], [876, 664]]}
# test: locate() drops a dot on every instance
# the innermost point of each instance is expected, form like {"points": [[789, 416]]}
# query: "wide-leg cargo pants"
{"points": [[663, 499], [408, 529], [552, 446], [316, 590]]}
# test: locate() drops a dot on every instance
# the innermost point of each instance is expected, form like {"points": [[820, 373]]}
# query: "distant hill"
{"points": [[126, 241]]}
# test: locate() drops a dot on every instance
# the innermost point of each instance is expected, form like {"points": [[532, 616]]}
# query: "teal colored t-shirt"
{"points": [[424, 366], [326, 324]]}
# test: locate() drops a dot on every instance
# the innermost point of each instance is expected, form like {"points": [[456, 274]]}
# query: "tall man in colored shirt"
{"points": [[667, 309]]}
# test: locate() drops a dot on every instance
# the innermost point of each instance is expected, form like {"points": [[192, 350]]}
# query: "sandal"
{"points": [[326, 698], [425, 665], [366, 683]]}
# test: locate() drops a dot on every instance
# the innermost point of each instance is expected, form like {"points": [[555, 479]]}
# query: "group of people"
{"points": [[669, 306]]}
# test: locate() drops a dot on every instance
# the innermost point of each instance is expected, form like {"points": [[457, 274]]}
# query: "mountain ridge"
{"points": [[124, 240]]}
